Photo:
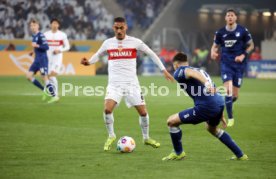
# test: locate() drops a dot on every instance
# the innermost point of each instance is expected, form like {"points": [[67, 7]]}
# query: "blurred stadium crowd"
{"points": [[80, 19]]}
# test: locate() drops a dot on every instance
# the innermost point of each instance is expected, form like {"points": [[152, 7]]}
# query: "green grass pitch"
{"points": [[65, 140]]}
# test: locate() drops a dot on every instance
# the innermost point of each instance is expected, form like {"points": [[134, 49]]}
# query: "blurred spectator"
{"points": [[80, 19], [10, 47], [199, 58], [256, 54], [142, 12], [73, 48]]}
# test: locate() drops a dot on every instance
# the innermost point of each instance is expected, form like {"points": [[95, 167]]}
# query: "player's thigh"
{"points": [[43, 65], [190, 116], [134, 97], [141, 109], [113, 96], [109, 105], [55, 67]]}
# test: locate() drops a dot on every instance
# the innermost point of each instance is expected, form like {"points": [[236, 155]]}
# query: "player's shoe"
{"points": [[108, 143], [45, 95], [230, 122], [244, 157], [174, 156], [152, 143], [53, 100]]}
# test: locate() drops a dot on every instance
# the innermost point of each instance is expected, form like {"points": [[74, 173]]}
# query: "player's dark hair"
{"points": [[180, 57], [231, 10], [55, 20], [34, 21], [119, 19]]}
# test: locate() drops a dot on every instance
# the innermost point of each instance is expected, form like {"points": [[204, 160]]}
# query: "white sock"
{"points": [[109, 121], [144, 123], [54, 82]]}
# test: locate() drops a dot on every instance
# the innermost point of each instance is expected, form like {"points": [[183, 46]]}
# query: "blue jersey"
{"points": [[40, 52], [196, 90], [233, 43]]}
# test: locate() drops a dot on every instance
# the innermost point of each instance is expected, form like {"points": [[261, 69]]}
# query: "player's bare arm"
{"points": [[249, 49], [190, 73], [214, 51]]}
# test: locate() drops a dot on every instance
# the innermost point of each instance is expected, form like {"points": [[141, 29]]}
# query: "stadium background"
{"points": [[67, 143]]}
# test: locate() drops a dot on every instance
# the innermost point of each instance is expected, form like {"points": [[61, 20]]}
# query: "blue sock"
{"points": [[227, 140], [50, 89], [176, 135], [229, 105], [37, 83]]}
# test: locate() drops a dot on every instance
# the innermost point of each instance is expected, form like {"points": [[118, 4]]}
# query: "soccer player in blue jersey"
{"points": [[40, 63], [236, 43], [208, 108]]}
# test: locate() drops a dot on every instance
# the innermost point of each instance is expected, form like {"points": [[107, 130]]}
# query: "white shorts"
{"points": [[55, 64], [130, 92]]}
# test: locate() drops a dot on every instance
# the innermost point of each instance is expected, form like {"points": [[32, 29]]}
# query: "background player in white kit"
{"points": [[58, 43], [122, 79]]}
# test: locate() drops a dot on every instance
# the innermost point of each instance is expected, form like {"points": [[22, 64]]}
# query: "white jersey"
{"points": [[56, 41], [122, 56]]}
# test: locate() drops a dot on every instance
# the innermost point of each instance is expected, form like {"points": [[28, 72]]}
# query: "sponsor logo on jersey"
{"points": [[237, 34], [121, 54], [55, 42], [229, 43]]}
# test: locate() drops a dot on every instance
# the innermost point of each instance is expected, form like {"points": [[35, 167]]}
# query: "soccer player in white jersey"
{"points": [[122, 80], [58, 43]]}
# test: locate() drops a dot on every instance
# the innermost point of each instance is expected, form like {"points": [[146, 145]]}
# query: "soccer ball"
{"points": [[126, 144]]}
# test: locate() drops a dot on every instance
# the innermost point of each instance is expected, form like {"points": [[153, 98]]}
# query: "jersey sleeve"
{"points": [[66, 45], [247, 36], [100, 52], [180, 74], [217, 38], [144, 48], [44, 44]]}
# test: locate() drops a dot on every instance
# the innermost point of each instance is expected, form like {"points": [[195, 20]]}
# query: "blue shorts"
{"points": [[40, 64], [199, 114], [230, 73]]}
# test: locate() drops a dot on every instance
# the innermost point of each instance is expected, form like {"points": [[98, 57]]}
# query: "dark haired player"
{"points": [[58, 43], [208, 108], [236, 43], [122, 78]]}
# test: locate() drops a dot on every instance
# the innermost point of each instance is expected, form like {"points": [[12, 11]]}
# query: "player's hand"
{"points": [[56, 51], [168, 76], [35, 45], [85, 62], [214, 55], [31, 53], [240, 58]]}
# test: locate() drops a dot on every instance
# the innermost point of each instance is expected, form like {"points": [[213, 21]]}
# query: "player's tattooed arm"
{"points": [[248, 50]]}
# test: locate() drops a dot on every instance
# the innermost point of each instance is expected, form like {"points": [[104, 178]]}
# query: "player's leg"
{"points": [[173, 123], [144, 124], [30, 75], [229, 101], [236, 91], [109, 106], [54, 81], [226, 139]]}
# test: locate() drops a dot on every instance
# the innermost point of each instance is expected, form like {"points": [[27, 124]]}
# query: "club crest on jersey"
{"points": [[229, 43], [237, 34]]}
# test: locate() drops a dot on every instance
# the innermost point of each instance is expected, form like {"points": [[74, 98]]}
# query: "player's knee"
{"points": [[235, 98], [171, 122], [212, 130], [29, 77], [107, 111], [143, 114]]}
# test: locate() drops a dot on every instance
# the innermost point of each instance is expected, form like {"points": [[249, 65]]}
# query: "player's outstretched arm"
{"points": [[214, 51], [190, 73], [168, 76]]}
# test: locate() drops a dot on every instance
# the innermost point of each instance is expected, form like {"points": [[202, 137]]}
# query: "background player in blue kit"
{"points": [[208, 108], [236, 43], [40, 63]]}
